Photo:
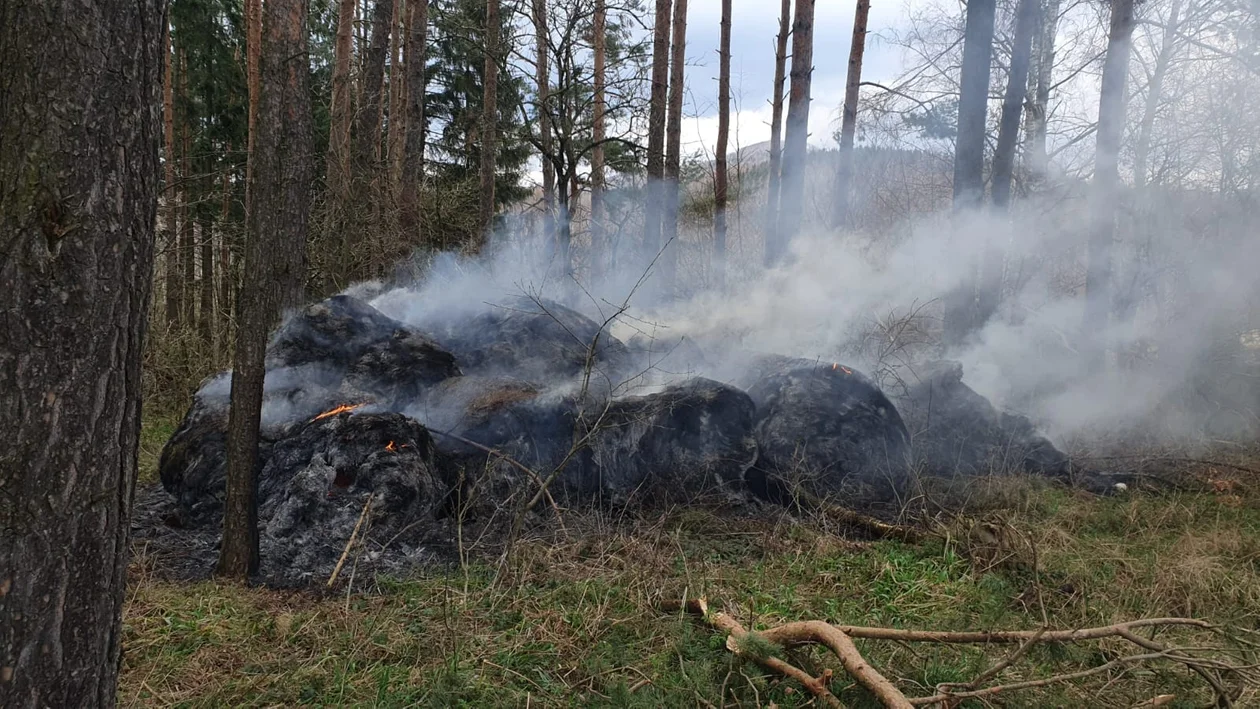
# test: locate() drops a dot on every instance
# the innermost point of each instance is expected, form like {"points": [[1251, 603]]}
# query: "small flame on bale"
{"points": [[391, 447], [837, 365], [339, 410]]}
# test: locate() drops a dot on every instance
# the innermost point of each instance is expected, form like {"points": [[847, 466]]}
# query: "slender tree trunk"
{"points": [[397, 135], [656, 131], [1154, 92], [367, 125], [724, 129], [207, 281], [973, 101], [170, 201], [337, 169], [1036, 156], [1013, 102], [187, 242], [598, 236], [415, 49], [792, 198], [543, 79], [275, 261], [673, 149], [225, 255], [1111, 116], [776, 133], [253, 78], [489, 121], [80, 125], [848, 124]]}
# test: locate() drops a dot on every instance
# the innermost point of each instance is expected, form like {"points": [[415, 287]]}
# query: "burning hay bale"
{"points": [[957, 432], [827, 428]]}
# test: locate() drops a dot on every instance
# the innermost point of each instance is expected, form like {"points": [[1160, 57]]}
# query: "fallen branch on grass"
{"points": [[839, 640]]}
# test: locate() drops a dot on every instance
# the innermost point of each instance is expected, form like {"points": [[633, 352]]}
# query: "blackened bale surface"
{"points": [[397, 370], [958, 432], [532, 339], [334, 331], [686, 441], [827, 428], [316, 484]]}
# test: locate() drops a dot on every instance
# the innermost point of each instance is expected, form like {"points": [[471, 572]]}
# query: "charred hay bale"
{"points": [[334, 332], [317, 481], [396, 371], [827, 428], [686, 441], [533, 339], [958, 432]]}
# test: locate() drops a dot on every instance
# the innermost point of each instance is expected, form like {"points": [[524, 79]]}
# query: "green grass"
{"points": [[576, 621]]}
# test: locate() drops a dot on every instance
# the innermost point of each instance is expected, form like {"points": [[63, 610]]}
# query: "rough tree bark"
{"points": [[253, 79], [994, 259], [367, 124], [598, 247], [80, 125], [673, 148], [1111, 110], [415, 50], [543, 78], [170, 211], [848, 124], [275, 261], [337, 169], [724, 129], [1035, 155], [489, 121], [960, 304], [776, 133], [396, 135], [656, 131], [792, 187]]}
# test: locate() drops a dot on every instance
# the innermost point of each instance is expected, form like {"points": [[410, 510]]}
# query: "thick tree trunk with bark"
{"points": [[1039, 85], [415, 50], [598, 237], [724, 129], [776, 133], [337, 169], [367, 124], [1111, 115], [652, 212], [848, 123], [275, 261], [170, 212], [973, 101], [673, 148], [542, 77], [792, 197], [80, 125], [489, 121]]}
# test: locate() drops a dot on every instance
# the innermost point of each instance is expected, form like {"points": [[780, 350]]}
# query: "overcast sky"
{"points": [[753, 28]]}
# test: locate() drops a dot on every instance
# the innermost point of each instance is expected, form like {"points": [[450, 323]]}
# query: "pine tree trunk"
{"points": [[542, 78], [170, 201], [415, 50], [1035, 154], [724, 129], [207, 281], [598, 235], [848, 123], [253, 78], [396, 136], [337, 169], [673, 149], [275, 261], [973, 101], [367, 124], [656, 132], [489, 122], [776, 133], [1111, 116], [187, 242], [792, 198], [225, 256], [80, 126]]}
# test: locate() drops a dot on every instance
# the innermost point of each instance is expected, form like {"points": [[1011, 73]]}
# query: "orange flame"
{"points": [[339, 410], [391, 447], [836, 365]]}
